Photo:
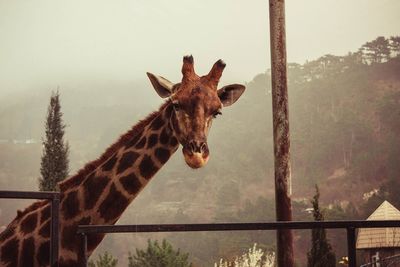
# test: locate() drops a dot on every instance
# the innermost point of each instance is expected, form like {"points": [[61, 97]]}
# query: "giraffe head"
{"points": [[196, 101]]}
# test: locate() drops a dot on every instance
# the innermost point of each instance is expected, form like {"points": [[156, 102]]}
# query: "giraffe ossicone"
{"points": [[101, 191]]}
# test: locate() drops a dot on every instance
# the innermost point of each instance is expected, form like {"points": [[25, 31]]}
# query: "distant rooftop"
{"points": [[380, 237]]}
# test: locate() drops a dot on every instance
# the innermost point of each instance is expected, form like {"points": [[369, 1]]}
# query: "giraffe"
{"points": [[101, 191]]}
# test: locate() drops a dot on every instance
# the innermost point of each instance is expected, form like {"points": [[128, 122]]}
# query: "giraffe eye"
{"points": [[216, 113], [176, 106]]}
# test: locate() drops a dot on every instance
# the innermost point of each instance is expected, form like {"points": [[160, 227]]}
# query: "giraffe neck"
{"points": [[105, 193]]}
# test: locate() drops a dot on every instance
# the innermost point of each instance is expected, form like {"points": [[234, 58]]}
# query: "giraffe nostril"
{"points": [[192, 146], [203, 147], [197, 146]]}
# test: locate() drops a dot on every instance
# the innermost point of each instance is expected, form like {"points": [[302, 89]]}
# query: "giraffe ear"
{"points": [[162, 86], [230, 93]]}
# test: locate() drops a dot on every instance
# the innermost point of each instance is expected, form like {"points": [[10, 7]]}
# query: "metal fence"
{"points": [[85, 230], [350, 227], [54, 197]]}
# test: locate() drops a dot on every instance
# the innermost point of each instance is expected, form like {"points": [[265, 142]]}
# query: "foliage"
{"points": [[372, 203], [253, 258], [54, 161], [395, 45], [321, 254], [389, 114], [104, 260], [377, 51], [159, 255]]}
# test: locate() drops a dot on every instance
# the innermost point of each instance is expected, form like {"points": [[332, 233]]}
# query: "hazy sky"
{"points": [[50, 42]]}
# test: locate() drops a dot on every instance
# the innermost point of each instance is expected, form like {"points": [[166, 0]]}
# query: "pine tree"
{"points": [[395, 45], [54, 162], [157, 255], [321, 254], [378, 50]]}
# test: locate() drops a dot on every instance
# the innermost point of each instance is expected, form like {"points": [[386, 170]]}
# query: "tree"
{"points": [[321, 254], [104, 260], [157, 255], [395, 45], [54, 161], [228, 198], [378, 50]]}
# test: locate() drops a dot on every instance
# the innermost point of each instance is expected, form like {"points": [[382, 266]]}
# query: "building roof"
{"points": [[380, 237]]}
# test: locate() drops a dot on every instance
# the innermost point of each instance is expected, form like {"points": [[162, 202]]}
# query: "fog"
{"points": [[344, 112], [46, 43]]}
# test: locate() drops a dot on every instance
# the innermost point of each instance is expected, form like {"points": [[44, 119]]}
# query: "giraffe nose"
{"points": [[196, 153], [198, 146]]}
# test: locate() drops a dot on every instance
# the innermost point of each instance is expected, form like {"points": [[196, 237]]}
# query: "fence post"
{"points": [[54, 238], [351, 246], [82, 257], [281, 130]]}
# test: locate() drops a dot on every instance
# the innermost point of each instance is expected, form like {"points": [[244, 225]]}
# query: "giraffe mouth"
{"points": [[195, 160]]}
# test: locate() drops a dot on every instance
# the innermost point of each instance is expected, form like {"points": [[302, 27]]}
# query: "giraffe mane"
{"points": [[91, 166], [31, 207], [20, 214]]}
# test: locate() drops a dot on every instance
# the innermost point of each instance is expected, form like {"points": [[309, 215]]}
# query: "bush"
{"points": [[105, 260], [159, 255], [253, 258]]}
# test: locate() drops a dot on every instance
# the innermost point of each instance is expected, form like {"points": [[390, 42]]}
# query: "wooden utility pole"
{"points": [[281, 130]]}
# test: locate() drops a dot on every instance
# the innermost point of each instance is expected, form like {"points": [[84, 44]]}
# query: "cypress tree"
{"points": [[54, 161], [321, 254]]}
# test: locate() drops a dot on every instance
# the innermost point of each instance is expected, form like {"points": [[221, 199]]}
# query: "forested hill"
{"points": [[344, 115], [344, 118]]}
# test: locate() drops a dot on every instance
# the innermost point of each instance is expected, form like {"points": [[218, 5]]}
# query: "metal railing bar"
{"points": [[395, 258], [90, 229], [28, 194]]}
